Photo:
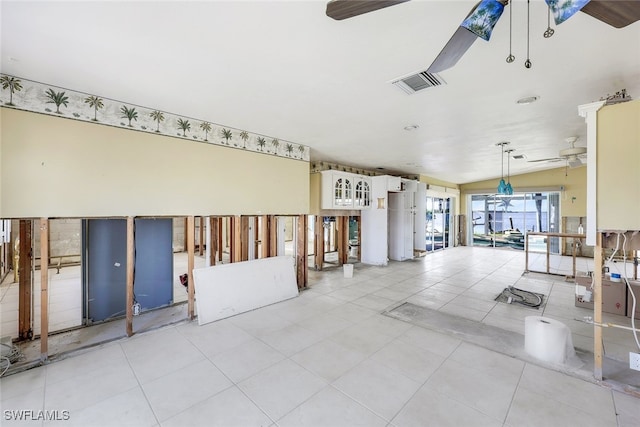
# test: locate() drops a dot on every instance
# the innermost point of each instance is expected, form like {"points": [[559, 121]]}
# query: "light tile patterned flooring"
{"points": [[330, 358]]}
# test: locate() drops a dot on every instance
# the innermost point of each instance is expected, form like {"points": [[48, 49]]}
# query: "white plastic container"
{"points": [[348, 270]]}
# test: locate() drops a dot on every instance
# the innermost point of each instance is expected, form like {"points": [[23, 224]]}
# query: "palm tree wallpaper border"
{"points": [[28, 95]]}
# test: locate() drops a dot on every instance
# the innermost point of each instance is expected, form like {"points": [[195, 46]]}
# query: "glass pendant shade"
{"points": [[565, 9], [508, 190], [484, 18], [502, 187]]}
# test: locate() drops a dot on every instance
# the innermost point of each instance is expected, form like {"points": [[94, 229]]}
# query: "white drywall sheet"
{"points": [[228, 289]]}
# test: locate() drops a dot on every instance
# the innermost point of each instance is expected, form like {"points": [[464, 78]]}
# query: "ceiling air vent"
{"points": [[416, 82]]}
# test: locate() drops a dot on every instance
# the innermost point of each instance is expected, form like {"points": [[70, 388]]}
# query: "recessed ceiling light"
{"points": [[527, 100], [411, 127]]}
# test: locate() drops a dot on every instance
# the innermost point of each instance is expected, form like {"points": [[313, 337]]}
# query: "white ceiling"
{"points": [[284, 69]]}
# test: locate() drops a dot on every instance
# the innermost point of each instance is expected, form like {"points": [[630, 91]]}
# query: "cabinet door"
{"points": [[363, 194], [342, 192]]}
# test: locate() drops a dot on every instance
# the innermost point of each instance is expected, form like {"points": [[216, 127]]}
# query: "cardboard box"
{"points": [[635, 286], [614, 296]]}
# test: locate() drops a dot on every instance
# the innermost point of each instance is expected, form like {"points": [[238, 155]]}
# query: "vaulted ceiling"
{"points": [[284, 69]]}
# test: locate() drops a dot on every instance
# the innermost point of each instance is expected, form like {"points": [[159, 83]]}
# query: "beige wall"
{"points": [[618, 167], [434, 181], [573, 200], [54, 167]]}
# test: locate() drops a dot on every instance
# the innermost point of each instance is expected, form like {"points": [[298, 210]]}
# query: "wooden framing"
{"points": [[342, 229], [235, 250], [213, 229], [201, 236], [130, 270], [191, 250], [301, 251], [256, 238], [318, 243], [273, 235], [24, 281], [220, 246], [597, 308], [264, 236], [44, 288], [245, 240], [573, 236]]}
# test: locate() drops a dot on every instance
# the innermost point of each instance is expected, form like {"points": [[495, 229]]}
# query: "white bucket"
{"points": [[348, 270]]}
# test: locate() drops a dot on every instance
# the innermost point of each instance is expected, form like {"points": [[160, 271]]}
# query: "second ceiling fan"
{"points": [[483, 17]]}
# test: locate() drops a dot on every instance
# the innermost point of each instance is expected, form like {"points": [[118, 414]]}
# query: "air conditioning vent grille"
{"points": [[417, 82]]}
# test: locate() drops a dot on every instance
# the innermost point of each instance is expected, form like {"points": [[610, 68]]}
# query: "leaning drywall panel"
{"points": [[228, 289]]}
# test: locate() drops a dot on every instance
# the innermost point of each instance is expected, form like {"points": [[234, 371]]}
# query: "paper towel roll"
{"points": [[547, 339]]}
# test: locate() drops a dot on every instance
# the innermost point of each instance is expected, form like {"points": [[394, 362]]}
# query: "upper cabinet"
{"points": [[394, 183], [344, 190]]}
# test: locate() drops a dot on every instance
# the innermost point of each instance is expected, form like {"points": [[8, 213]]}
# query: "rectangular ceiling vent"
{"points": [[416, 82]]}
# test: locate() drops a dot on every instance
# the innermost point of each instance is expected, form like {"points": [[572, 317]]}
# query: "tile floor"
{"points": [[330, 358]]}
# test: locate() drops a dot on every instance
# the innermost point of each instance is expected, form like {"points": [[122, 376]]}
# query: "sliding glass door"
{"points": [[438, 223], [501, 220]]}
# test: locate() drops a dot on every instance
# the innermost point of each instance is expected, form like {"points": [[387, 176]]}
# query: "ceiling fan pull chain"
{"points": [[510, 58], [527, 63], [549, 31]]}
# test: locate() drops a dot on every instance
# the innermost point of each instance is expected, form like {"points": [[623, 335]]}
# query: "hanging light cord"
{"points": [[502, 161], [510, 58], [527, 63]]}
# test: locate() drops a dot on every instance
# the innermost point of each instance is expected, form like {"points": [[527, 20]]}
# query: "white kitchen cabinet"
{"points": [[394, 183], [344, 190]]}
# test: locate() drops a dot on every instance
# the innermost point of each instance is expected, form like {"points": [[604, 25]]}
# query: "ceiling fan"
{"points": [[572, 155], [484, 15]]}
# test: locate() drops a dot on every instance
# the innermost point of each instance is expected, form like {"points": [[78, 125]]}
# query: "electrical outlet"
{"points": [[634, 361]]}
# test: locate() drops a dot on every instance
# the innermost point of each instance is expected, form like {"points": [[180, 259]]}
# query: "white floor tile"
{"points": [[229, 408], [246, 359], [183, 388], [328, 359], [430, 407], [378, 388], [534, 409], [332, 408], [282, 387], [129, 408]]}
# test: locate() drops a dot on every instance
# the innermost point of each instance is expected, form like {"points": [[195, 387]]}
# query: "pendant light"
{"points": [[509, 189], [502, 186]]}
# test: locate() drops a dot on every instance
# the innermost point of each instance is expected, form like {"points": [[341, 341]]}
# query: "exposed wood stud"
{"points": [[342, 224], [191, 251], [318, 243], [301, 251], [213, 228], [201, 236], [256, 237], [245, 240], [44, 289], [264, 236], [130, 274], [24, 281], [273, 235], [597, 308], [220, 246]]}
